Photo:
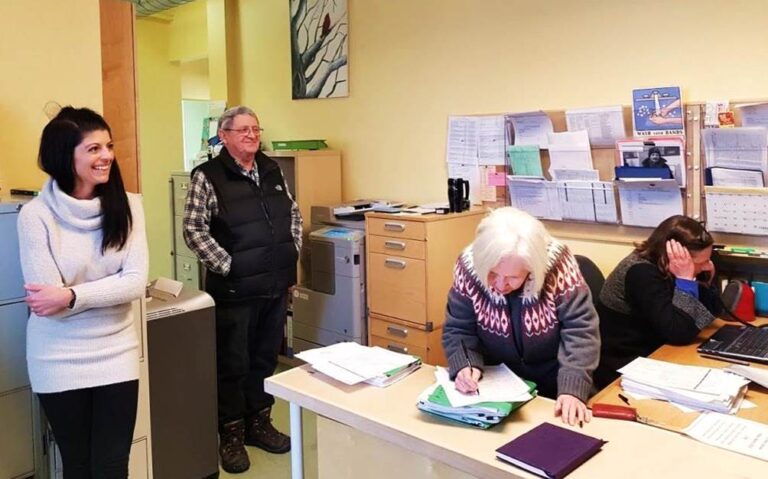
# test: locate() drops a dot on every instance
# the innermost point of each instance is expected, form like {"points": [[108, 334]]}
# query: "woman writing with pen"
{"points": [[519, 298]]}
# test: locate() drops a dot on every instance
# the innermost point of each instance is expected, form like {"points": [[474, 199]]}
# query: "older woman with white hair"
{"points": [[519, 298]]}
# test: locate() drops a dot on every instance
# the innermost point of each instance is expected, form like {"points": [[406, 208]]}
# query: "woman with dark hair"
{"points": [[84, 258], [660, 294]]}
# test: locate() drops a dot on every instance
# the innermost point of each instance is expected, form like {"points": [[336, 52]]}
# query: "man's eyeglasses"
{"points": [[256, 130]]}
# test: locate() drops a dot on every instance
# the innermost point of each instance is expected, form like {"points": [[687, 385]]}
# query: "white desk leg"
{"points": [[297, 453]]}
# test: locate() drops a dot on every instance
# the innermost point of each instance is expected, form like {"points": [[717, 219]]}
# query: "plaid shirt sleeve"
{"points": [[199, 206], [297, 222]]}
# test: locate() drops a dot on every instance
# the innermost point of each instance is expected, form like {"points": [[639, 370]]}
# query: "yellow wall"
{"points": [[189, 32], [160, 140], [43, 59], [413, 63], [194, 80]]}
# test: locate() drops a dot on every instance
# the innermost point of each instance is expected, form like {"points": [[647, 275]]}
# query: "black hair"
{"points": [[685, 230], [57, 158]]}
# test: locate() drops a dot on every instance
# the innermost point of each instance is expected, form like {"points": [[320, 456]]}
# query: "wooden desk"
{"points": [[371, 432], [669, 415]]}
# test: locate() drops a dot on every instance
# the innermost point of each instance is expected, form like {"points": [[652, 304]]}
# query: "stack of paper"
{"points": [[352, 363], [501, 392], [696, 387]]}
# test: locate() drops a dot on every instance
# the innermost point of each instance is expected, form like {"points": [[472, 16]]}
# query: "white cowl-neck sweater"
{"points": [[95, 343]]}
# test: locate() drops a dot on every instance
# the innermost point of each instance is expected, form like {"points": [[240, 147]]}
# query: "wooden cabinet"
{"points": [[410, 264]]}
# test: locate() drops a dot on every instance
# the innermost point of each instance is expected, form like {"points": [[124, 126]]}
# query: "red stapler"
{"points": [[625, 413]]}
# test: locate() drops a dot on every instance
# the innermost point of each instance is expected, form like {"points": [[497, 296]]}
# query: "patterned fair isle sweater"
{"points": [[550, 337]]}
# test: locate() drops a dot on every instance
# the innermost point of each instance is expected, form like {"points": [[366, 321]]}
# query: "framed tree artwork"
{"points": [[319, 48]]}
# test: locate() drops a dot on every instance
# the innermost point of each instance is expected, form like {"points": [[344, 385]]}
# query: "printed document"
{"points": [[604, 125], [587, 201], [741, 148], [499, 384], [462, 140], [754, 114], [732, 433], [490, 140], [737, 211], [561, 174], [649, 202], [525, 160], [737, 178], [538, 197], [570, 150], [528, 128]]}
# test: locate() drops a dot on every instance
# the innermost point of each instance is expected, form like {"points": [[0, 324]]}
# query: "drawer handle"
{"points": [[394, 227], [394, 263], [397, 349], [183, 186], [397, 245], [187, 267], [402, 332]]}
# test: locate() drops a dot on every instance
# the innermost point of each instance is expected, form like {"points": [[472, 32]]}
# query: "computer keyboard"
{"points": [[753, 342]]}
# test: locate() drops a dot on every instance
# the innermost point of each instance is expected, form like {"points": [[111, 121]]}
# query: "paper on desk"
{"points": [[352, 363], [742, 148], [758, 375], [649, 202], [666, 374], [732, 433], [604, 125], [499, 384]]}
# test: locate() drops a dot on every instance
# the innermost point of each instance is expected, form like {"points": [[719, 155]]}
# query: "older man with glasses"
{"points": [[243, 224]]}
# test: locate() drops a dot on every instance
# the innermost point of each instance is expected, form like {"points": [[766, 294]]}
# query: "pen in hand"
{"points": [[469, 363]]}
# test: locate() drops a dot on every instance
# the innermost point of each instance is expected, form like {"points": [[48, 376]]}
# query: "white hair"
{"points": [[226, 118], [509, 232]]}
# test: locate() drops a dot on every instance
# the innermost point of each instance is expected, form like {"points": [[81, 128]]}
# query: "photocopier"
{"points": [[330, 306]]}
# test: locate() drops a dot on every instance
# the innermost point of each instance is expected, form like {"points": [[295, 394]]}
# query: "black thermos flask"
{"points": [[452, 205]]}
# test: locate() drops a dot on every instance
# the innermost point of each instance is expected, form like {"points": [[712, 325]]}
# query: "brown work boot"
{"points": [[234, 458], [261, 433]]}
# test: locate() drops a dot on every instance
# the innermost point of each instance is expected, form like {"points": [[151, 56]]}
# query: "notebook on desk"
{"points": [[550, 451], [739, 342]]}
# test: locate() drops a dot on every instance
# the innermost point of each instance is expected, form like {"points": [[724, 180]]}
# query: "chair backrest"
{"points": [[592, 275]]}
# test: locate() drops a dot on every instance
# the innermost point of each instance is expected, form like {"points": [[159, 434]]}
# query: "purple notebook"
{"points": [[549, 451]]}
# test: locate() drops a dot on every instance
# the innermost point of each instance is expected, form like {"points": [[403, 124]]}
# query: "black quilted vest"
{"points": [[253, 225]]}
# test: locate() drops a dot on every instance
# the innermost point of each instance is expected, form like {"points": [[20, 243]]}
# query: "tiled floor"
{"points": [[278, 466]]}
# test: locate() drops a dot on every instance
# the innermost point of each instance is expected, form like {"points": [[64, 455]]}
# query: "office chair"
{"points": [[592, 275]]}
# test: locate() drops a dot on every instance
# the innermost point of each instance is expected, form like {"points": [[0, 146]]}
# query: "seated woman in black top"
{"points": [[653, 296]]}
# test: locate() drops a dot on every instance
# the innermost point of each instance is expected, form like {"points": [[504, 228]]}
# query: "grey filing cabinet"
{"points": [[181, 339], [187, 268], [21, 451]]}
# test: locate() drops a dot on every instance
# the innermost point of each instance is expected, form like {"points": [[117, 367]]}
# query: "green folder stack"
{"points": [[483, 414]]}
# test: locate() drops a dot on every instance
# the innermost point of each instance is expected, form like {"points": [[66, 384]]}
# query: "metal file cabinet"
{"points": [[20, 437], [187, 268]]}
